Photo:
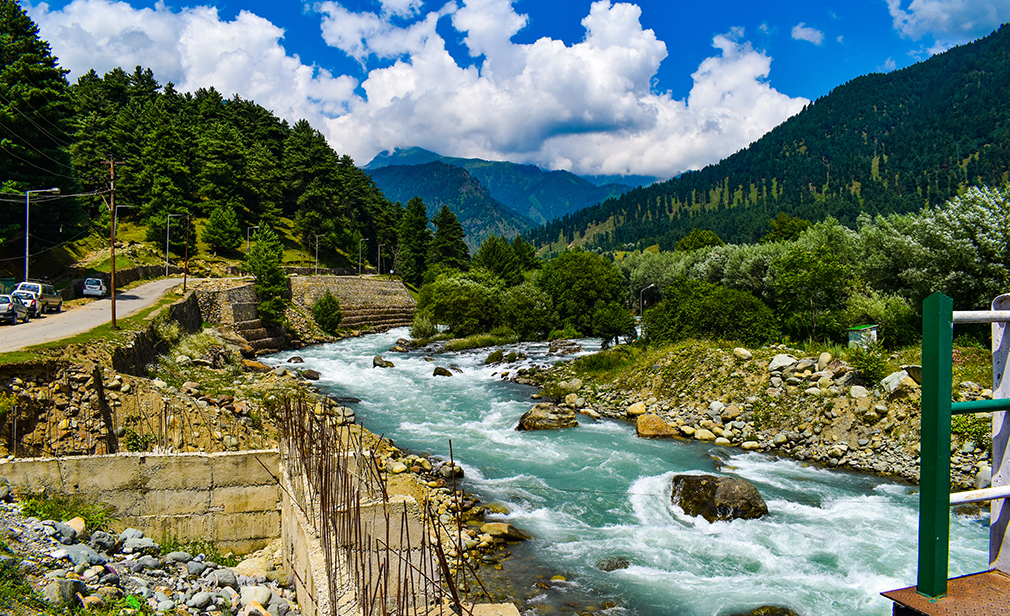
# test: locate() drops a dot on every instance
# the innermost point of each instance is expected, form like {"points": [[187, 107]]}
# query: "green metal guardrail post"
{"points": [[934, 455]]}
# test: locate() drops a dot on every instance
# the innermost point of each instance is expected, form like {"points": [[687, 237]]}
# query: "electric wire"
{"points": [[54, 138]]}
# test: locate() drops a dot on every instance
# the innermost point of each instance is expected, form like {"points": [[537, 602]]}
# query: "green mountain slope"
{"points": [[440, 184], [880, 143], [527, 189]]}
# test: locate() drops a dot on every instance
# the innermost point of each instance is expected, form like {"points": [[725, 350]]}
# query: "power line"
{"points": [[54, 138]]}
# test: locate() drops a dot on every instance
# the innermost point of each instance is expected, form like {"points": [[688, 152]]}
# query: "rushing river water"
{"points": [[832, 542]]}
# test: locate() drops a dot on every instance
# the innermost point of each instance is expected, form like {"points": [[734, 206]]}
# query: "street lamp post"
{"points": [[360, 242], [247, 230], [28, 196], [168, 221], [380, 258], [640, 293]]}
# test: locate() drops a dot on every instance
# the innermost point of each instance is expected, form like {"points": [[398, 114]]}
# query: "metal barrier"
{"points": [[935, 499]]}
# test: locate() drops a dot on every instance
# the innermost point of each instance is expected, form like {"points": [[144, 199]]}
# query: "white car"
{"points": [[94, 287]]}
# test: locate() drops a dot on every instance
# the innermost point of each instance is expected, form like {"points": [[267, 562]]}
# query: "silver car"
{"points": [[11, 309]]}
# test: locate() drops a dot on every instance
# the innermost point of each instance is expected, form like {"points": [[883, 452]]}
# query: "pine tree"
{"points": [[222, 230], [414, 237], [447, 247], [496, 255], [35, 112], [264, 262]]}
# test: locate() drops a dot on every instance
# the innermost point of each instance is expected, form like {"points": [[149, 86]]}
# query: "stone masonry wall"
{"points": [[229, 498], [352, 292], [234, 303]]}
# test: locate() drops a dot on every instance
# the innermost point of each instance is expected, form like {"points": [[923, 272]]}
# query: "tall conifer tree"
{"points": [[447, 246], [414, 237]]}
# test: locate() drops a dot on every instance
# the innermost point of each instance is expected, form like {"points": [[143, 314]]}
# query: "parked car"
{"points": [[46, 295], [94, 287], [28, 299], [11, 309]]}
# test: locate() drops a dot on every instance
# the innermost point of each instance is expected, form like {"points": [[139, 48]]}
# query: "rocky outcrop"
{"points": [[718, 498], [547, 416]]}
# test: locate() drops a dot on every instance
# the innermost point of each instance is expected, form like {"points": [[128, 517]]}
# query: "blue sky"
{"points": [[650, 87]]}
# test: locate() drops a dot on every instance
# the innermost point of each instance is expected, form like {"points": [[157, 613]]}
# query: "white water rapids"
{"points": [[832, 542]]}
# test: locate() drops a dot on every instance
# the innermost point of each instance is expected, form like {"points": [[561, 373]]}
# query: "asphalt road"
{"points": [[58, 325]]}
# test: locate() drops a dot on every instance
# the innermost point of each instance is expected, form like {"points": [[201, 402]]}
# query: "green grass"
{"points": [[50, 505], [198, 546], [480, 340]]}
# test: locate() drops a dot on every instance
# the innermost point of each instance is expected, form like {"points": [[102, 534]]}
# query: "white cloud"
{"points": [[950, 21], [888, 66], [589, 107], [801, 32]]}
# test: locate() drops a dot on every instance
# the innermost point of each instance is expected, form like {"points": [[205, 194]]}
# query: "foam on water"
{"points": [[832, 541]]}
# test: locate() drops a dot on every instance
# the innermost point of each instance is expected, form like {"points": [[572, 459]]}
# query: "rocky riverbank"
{"points": [[72, 565], [816, 409]]}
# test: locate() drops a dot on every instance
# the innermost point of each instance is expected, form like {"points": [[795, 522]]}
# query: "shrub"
{"points": [[695, 309], [899, 323], [495, 357], [972, 428], [326, 312], [422, 327], [869, 359], [528, 310], [567, 333]]}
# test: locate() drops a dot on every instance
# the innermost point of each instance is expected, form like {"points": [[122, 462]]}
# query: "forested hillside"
{"points": [[537, 194], [881, 143], [226, 161], [439, 184]]}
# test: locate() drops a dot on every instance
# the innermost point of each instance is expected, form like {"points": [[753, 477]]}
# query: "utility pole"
{"points": [[112, 237], [185, 269]]}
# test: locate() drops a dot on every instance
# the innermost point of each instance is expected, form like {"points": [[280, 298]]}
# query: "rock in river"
{"points": [[546, 416], [717, 498], [653, 426]]}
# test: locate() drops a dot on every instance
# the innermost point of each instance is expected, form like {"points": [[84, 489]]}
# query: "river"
{"points": [[832, 542]]}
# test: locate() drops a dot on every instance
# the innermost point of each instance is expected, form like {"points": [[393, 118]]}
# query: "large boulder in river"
{"points": [[718, 498], [378, 362], [440, 371], [546, 416], [653, 426], [769, 610]]}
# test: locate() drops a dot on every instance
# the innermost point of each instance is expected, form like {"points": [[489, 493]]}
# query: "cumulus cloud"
{"points": [[949, 21], [590, 107], [193, 48], [801, 32]]}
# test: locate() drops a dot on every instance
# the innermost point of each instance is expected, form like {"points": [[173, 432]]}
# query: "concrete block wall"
{"points": [[230, 498], [352, 292]]}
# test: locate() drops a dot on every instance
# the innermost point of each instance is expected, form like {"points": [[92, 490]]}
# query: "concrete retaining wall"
{"points": [[228, 306], [232, 499], [352, 292], [133, 358]]}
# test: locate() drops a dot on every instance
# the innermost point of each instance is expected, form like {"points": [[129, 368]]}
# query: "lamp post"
{"points": [[360, 242], [640, 298], [28, 196], [168, 221], [247, 230], [380, 258]]}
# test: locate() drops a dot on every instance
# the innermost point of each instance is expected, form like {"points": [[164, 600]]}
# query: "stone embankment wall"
{"points": [[232, 499], [227, 302], [373, 302]]}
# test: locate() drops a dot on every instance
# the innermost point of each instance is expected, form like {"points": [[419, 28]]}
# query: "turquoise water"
{"points": [[832, 542]]}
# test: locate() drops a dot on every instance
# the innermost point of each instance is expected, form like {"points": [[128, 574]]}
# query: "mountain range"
{"points": [[881, 143], [538, 195]]}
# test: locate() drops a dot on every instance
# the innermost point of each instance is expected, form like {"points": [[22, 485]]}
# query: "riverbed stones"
{"points": [[440, 371], [636, 409], [504, 531], [718, 498], [547, 416], [379, 362], [702, 434], [653, 426], [742, 354], [781, 362]]}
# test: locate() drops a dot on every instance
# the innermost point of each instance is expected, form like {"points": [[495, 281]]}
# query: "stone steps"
{"points": [[263, 339]]}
